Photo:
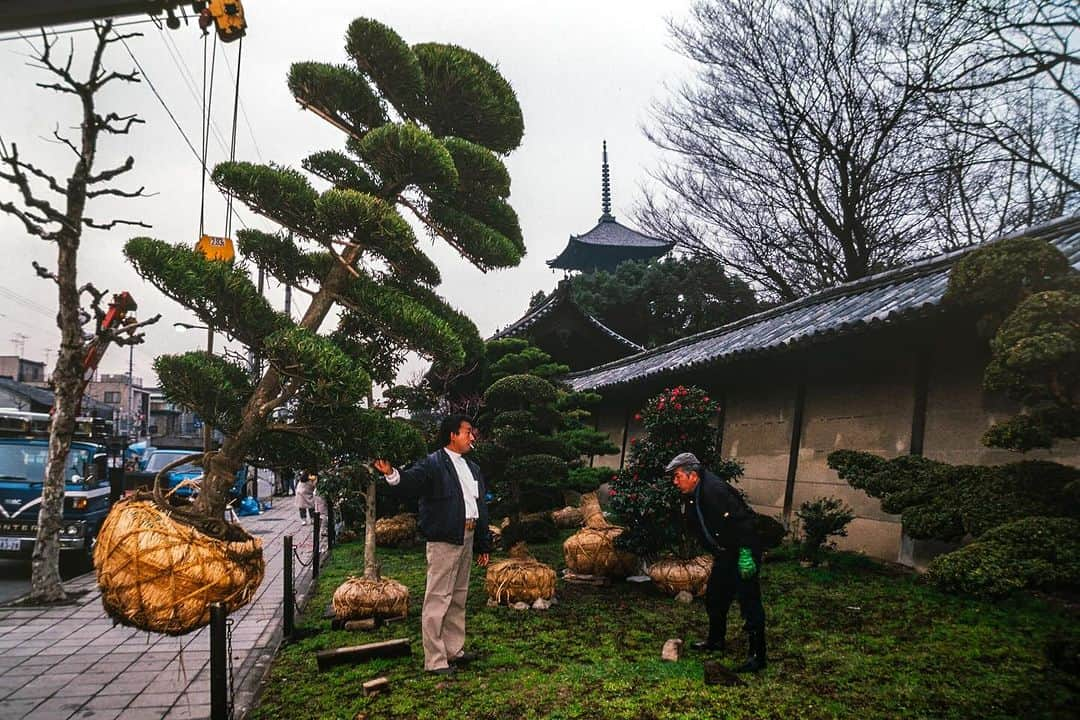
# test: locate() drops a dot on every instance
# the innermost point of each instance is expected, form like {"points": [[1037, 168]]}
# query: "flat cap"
{"points": [[680, 460]]}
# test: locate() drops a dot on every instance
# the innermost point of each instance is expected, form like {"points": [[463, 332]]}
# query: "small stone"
{"points": [[520, 605], [365, 624], [554, 600], [684, 597], [540, 604], [806, 563], [492, 602], [672, 651]]}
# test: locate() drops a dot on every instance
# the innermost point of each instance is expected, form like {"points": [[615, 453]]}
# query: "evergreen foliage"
{"points": [[1028, 298], [312, 404], [821, 519], [655, 302], [1031, 553], [535, 434], [643, 498]]}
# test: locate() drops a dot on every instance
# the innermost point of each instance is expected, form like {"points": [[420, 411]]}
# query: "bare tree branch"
{"points": [[90, 222], [43, 272]]}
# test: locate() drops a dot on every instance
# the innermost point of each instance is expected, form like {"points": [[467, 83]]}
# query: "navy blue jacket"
{"points": [[442, 504], [723, 520]]}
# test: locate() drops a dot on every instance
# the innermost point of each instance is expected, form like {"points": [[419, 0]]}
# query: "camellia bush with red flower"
{"points": [[643, 499]]}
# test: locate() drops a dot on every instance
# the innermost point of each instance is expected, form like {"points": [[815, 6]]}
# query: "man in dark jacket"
{"points": [[725, 525], [454, 520]]}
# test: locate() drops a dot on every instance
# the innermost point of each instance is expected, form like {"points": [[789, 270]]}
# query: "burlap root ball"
{"points": [[672, 575], [568, 517], [521, 578], [591, 551], [160, 574], [360, 598], [397, 530]]}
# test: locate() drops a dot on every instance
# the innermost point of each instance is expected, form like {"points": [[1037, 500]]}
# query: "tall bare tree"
{"points": [[811, 149], [1005, 74], [62, 223]]}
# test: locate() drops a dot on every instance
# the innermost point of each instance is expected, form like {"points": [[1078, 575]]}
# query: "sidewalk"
{"points": [[70, 662]]}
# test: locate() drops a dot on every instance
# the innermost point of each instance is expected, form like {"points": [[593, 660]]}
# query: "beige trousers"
{"points": [[442, 620]]}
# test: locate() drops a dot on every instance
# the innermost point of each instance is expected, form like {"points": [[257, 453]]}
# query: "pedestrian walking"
{"points": [[305, 494], [453, 518], [725, 524]]}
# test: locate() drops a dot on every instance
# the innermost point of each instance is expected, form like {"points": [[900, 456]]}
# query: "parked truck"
{"points": [[24, 452]]}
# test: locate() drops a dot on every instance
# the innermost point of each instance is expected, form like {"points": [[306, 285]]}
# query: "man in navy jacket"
{"points": [[454, 520], [726, 527]]}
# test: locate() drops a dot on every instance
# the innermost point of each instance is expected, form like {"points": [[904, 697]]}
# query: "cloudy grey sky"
{"points": [[584, 71]]}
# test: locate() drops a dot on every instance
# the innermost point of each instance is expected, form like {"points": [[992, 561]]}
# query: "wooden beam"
{"points": [[362, 653], [796, 441], [922, 392]]}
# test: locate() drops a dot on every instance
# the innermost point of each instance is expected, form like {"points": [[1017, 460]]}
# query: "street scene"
{"points": [[437, 360]]}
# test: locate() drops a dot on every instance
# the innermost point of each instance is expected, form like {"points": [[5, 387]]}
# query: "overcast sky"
{"points": [[584, 71]]}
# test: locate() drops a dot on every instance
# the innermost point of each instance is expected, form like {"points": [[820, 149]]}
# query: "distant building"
{"points": [[31, 398], [171, 424], [22, 370], [128, 400], [609, 242]]}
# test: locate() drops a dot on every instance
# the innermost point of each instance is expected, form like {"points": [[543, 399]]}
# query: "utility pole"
{"points": [[19, 341], [130, 390]]}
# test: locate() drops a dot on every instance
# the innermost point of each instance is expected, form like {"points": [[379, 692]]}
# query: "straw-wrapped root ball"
{"points": [[359, 598], [396, 530], [672, 575], [521, 578], [592, 551], [160, 570]]}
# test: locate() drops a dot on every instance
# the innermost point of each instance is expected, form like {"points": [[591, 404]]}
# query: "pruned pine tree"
{"points": [[535, 430], [425, 126], [56, 211]]}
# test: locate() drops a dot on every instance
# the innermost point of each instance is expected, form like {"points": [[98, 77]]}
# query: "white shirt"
{"points": [[469, 486]]}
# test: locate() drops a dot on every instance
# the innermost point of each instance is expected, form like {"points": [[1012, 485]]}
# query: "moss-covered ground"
{"points": [[856, 639]]}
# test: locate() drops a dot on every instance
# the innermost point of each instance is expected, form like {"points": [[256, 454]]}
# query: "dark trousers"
{"points": [[724, 586]]}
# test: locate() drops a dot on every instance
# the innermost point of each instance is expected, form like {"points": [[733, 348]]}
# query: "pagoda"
{"points": [[609, 242]]}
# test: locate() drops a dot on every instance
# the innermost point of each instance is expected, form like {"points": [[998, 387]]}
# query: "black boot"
{"points": [[755, 661], [715, 641]]}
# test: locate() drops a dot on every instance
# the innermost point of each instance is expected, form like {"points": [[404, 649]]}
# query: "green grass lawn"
{"points": [[857, 639]]}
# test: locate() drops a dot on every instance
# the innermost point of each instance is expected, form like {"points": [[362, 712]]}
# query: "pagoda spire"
{"points": [[605, 193]]}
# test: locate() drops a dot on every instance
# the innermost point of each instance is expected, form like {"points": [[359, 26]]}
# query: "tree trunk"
{"points": [[221, 466], [45, 583], [371, 565]]}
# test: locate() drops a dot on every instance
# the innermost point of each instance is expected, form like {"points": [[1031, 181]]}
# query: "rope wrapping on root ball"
{"points": [[359, 598], [159, 573], [521, 578], [591, 551], [396, 530], [673, 575]]}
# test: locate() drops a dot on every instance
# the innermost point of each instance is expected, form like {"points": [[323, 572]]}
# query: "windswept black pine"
{"points": [[425, 127]]}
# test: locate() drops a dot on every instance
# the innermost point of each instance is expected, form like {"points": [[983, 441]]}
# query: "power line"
{"points": [[243, 109], [184, 70]]}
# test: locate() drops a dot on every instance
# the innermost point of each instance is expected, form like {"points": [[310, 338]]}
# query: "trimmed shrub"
{"points": [[1032, 553], [822, 519]]}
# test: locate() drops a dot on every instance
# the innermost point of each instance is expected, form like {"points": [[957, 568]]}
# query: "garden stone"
{"points": [[672, 650], [492, 602], [540, 604], [684, 597], [520, 605]]}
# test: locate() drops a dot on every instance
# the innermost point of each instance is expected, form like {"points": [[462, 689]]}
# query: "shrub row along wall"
{"points": [[915, 389]]}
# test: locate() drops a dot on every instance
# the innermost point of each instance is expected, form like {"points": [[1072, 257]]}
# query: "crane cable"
{"points": [[232, 141], [207, 106]]}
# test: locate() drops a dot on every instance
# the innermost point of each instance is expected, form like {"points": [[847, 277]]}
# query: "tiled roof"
{"points": [[606, 245], [877, 300], [558, 297], [609, 231], [45, 397]]}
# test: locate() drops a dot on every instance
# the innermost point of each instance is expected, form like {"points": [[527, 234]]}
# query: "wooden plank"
{"points": [[378, 685], [362, 653]]}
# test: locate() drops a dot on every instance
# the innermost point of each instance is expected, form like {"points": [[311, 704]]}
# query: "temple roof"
{"points": [[884, 299], [568, 333], [609, 242]]}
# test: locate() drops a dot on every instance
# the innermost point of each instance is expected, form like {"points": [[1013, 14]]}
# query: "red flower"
{"points": [[612, 491], [637, 416], [706, 398], [678, 406]]}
